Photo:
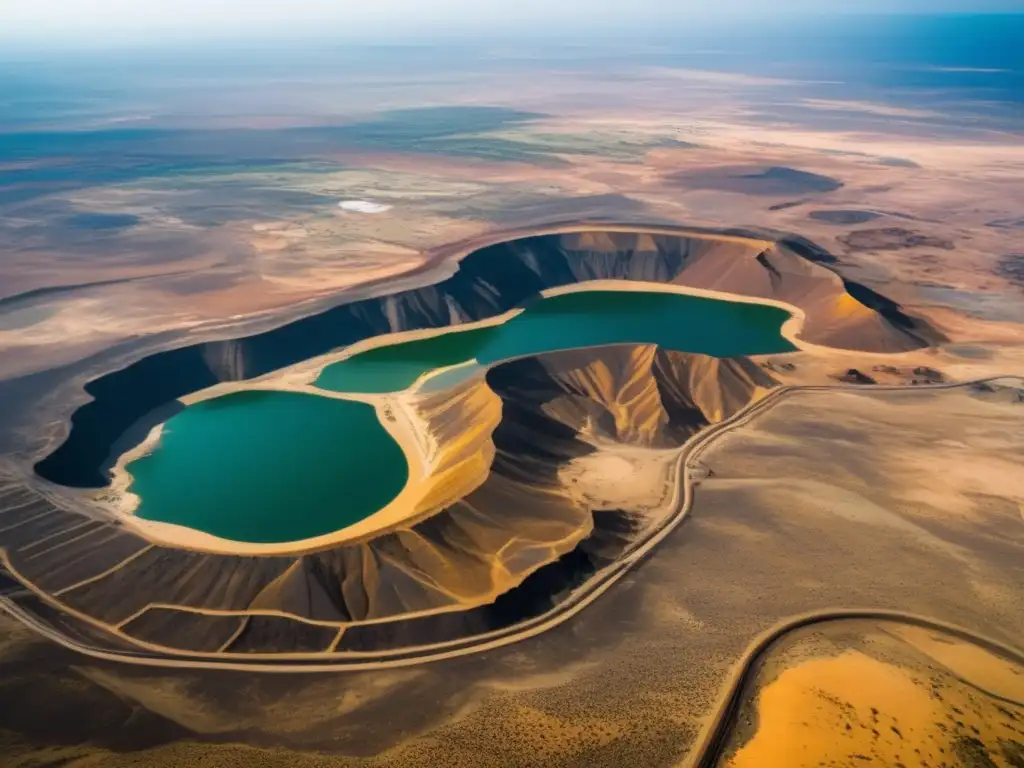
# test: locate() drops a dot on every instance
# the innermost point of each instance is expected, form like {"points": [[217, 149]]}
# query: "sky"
{"points": [[102, 22]]}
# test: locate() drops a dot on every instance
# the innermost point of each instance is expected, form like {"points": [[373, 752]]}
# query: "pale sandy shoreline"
{"points": [[405, 427]]}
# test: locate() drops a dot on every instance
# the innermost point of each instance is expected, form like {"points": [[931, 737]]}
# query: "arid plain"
{"points": [[881, 494]]}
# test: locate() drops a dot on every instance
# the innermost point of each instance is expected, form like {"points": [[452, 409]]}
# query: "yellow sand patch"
{"points": [[853, 708], [994, 675]]}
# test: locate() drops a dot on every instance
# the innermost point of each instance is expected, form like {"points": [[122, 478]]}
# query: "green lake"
{"points": [[266, 466], [591, 318]]}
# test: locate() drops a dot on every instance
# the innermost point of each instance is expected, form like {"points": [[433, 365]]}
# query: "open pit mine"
{"points": [[423, 473]]}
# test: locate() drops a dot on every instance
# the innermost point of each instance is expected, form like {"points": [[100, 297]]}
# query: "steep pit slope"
{"points": [[632, 394], [489, 281]]}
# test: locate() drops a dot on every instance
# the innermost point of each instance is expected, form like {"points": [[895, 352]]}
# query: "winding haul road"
{"points": [[716, 730]]}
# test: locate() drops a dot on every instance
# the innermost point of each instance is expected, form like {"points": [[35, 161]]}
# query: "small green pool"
{"points": [[264, 466]]}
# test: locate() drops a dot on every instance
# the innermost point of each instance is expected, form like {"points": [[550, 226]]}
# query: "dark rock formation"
{"points": [[853, 376]]}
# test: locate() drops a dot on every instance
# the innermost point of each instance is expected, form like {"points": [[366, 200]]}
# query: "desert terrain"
{"points": [[622, 554]]}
